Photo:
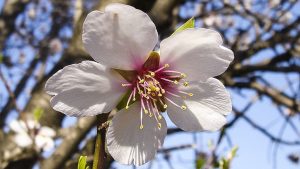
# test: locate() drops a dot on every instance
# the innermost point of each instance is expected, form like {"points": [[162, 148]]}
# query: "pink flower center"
{"points": [[154, 87]]}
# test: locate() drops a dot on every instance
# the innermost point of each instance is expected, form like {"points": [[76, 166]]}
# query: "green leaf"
{"points": [[188, 24], [82, 163], [224, 164], [233, 151], [37, 113], [200, 163], [232, 154]]}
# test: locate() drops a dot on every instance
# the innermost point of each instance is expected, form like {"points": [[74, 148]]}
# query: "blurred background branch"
{"points": [[39, 37]]}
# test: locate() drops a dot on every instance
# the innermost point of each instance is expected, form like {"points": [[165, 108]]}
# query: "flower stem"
{"points": [[99, 154]]}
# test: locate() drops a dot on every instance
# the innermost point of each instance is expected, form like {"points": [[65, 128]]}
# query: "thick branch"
{"points": [[69, 144], [274, 94]]}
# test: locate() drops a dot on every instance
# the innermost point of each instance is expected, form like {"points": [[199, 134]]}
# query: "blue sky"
{"points": [[255, 150]]}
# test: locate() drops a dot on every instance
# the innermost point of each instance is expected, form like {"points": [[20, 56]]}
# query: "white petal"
{"points": [[18, 126], [84, 89], [205, 109], [23, 140], [45, 143], [46, 131], [197, 53], [120, 37], [127, 143], [32, 124]]}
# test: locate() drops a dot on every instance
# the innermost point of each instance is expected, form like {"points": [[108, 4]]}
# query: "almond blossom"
{"points": [[177, 80], [30, 133]]}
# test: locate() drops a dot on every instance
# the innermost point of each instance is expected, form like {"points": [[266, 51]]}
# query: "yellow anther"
{"points": [[153, 94], [183, 107], [159, 117], [149, 89], [148, 92], [165, 106], [150, 114], [163, 91], [134, 99], [141, 126], [191, 94], [146, 111], [152, 87], [152, 74], [127, 107], [182, 75], [175, 82], [140, 92], [185, 84], [142, 81], [159, 95], [166, 65], [157, 89], [147, 76], [124, 85], [159, 125]]}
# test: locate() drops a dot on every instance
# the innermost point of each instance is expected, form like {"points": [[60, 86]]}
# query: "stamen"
{"points": [[168, 80], [150, 114], [141, 92], [143, 105], [173, 94], [159, 125], [151, 109], [148, 106], [172, 71], [154, 80], [126, 84], [172, 102], [174, 77], [142, 81], [138, 87], [127, 105], [134, 93], [156, 113], [139, 77], [165, 66], [141, 125], [152, 73], [185, 84], [183, 107], [163, 104], [189, 94], [183, 75]]}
